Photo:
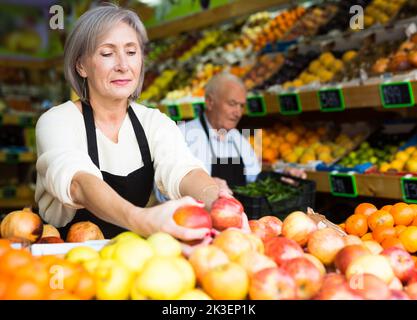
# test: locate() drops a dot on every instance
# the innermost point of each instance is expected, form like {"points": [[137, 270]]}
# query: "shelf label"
{"points": [[289, 103], [409, 189], [174, 112], [331, 99], [198, 108], [256, 106], [396, 94], [343, 185]]}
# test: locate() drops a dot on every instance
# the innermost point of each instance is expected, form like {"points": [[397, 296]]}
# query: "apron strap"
{"points": [[90, 129], [140, 137]]}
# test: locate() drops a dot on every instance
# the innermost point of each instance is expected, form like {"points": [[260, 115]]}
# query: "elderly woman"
{"points": [[99, 157]]}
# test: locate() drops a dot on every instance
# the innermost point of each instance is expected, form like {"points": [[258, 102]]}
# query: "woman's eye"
{"points": [[106, 54], [131, 53]]}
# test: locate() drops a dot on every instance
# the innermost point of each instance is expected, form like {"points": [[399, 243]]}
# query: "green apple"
{"points": [[133, 253], [81, 254], [165, 245], [127, 235], [113, 281]]}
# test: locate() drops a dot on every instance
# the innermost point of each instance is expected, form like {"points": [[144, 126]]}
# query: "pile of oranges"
{"points": [[392, 225], [26, 277]]}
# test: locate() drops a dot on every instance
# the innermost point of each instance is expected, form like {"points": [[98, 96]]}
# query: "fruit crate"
{"points": [[256, 207]]}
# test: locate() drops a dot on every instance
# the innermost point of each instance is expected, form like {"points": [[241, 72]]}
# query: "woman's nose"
{"points": [[121, 64]]}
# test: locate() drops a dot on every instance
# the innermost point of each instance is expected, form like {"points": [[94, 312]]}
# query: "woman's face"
{"points": [[114, 68]]}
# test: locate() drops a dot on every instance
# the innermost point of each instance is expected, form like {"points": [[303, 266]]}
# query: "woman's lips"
{"points": [[120, 82]]}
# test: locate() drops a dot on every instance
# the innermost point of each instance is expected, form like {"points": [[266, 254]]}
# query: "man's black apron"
{"points": [[230, 169], [136, 187]]}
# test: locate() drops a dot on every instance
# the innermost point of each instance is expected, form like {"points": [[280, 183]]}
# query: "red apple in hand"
{"points": [[401, 262], [272, 284], [192, 217], [348, 254], [308, 278], [226, 213], [281, 249]]}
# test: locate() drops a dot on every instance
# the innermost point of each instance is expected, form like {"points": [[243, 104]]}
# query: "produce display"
{"points": [[304, 255]]}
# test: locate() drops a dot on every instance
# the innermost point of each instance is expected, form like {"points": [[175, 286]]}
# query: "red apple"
{"points": [[348, 254], [411, 290], [226, 213], [84, 231], [325, 244], [395, 284], [373, 264], [298, 227], [316, 262], [205, 258], [351, 239], [253, 262], [281, 249], [370, 287], [272, 284], [256, 242], [233, 242], [399, 295], [308, 278], [413, 277], [192, 217], [273, 225], [401, 262], [335, 287], [258, 229]]}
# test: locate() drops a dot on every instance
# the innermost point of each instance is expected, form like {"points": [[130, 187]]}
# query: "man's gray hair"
{"points": [[215, 83], [84, 37]]}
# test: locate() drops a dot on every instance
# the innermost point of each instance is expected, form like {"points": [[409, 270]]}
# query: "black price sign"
{"points": [[12, 158], [331, 100], [409, 189], [343, 185], [289, 103], [198, 108], [256, 106], [396, 94], [174, 112]]}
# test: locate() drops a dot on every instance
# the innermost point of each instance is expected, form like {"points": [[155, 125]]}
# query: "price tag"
{"points": [[198, 108], [289, 103], [174, 112], [396, 94], [12, 158], [343, 185], [331, 100], [256, 106], [409, 189]]}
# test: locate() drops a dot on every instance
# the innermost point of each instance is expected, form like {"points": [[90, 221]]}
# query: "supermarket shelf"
{"points": [[206, 18], [30, 62], [363, 96], [369, 185], [17, 202]]}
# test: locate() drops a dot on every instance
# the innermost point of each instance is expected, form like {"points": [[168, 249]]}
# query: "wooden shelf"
{"points": [[369, 185]]}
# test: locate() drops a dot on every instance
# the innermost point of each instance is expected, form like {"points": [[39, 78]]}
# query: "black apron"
{"points": [[136, 187], [230, 169]]}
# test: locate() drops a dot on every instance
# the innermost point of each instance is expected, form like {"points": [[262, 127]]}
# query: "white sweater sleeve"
{"points": [[171, 156], [62, 152]]}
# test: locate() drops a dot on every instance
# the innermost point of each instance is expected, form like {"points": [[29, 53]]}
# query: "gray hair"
{"points": [[84, 37], [216, 83]]}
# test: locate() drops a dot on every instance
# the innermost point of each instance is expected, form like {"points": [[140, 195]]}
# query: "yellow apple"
{"points": [[107, 251], [81, 254], [133, 253], [194, 294], [165, 245], [127, 235], [374, 264], [113, 281]]}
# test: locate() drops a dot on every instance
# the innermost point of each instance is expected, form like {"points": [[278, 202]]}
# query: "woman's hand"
{"points": [[222, 184], [160, 218]]}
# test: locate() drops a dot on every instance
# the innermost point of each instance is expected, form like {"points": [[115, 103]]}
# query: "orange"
{"points": [[402, 214], [365, 208], [414, 207], [387, 207], [61, 295], [4, 246], [35, 271], [357, 225], [24, 289], [380, 218], [382, 232], [391, 242], [342, 226], [269, 155], [4, 282], [367, 236], [292, 138], [414, 223], [399, 229], [86, 287], [415, 260], [13, 259], [409, 239]]}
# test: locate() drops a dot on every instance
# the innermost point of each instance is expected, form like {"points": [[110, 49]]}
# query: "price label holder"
{"points": [[198, 108], [289, 103], [256, 106], [174, 112], [396, 94], [331, 99], [343, 184], [409, 188]]}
